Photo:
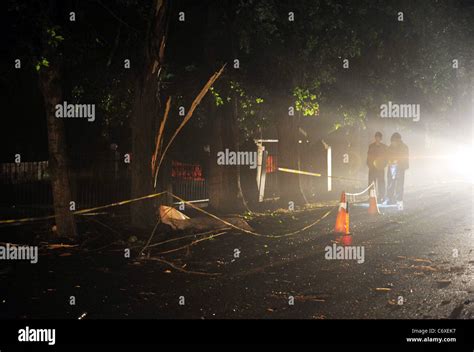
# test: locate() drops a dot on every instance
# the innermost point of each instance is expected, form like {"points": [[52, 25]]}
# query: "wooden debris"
{"points": [[383, 289]]}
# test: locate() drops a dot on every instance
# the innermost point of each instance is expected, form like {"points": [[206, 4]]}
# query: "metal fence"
{"points": [[187, 181], [25, 188], [14, 173]]}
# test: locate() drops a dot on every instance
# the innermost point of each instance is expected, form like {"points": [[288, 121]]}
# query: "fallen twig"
{"points": [[193, 243], [182, 238], [181, 269], [151, 236]]}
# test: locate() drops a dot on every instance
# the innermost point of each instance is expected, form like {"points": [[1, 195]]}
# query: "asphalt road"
{"points": [[418, 263]]}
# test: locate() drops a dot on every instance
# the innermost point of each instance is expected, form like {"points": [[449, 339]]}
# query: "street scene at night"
{"points": [[240, 160]]}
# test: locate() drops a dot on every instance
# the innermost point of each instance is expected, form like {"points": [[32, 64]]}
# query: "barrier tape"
{"points": [[307, 173], [248, 231], [365, 190], [83, 211], [154, 195], [293, 171]]}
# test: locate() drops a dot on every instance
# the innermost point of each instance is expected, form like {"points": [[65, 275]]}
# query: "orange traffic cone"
{"points": [[373, 207], [346, 240], [342, 220], [347, 220]]}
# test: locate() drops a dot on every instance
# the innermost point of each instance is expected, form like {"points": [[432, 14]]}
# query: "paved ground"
{"points": [[410, 258]]}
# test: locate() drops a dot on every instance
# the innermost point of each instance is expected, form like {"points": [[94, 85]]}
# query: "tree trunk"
{"points": [[50, 86], [146, 115], [288, 157], [225, 193]]}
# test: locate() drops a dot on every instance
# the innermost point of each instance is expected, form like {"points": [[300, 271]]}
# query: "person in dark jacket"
{"points": [[398, 163], [376, 161]]}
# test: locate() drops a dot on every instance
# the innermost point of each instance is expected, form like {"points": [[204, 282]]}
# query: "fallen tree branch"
{"points": [[151, 236], [193, 243], [181, 269], [159, 142], [181, 238], [188, 116]]}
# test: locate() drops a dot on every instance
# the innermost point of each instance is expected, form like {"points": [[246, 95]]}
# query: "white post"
{"points": [[329, 157], [263, 176], [260, 149]]}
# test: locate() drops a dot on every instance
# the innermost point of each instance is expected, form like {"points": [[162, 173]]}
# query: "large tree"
{"points": [[49, 67], [146, 110], [225, 193]]}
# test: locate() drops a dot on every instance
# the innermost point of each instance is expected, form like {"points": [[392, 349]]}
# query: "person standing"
{"points": [[376, 161], [398, 163]]}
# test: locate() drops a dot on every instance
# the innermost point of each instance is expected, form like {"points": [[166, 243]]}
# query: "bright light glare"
{"points": [[461, 162]]}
